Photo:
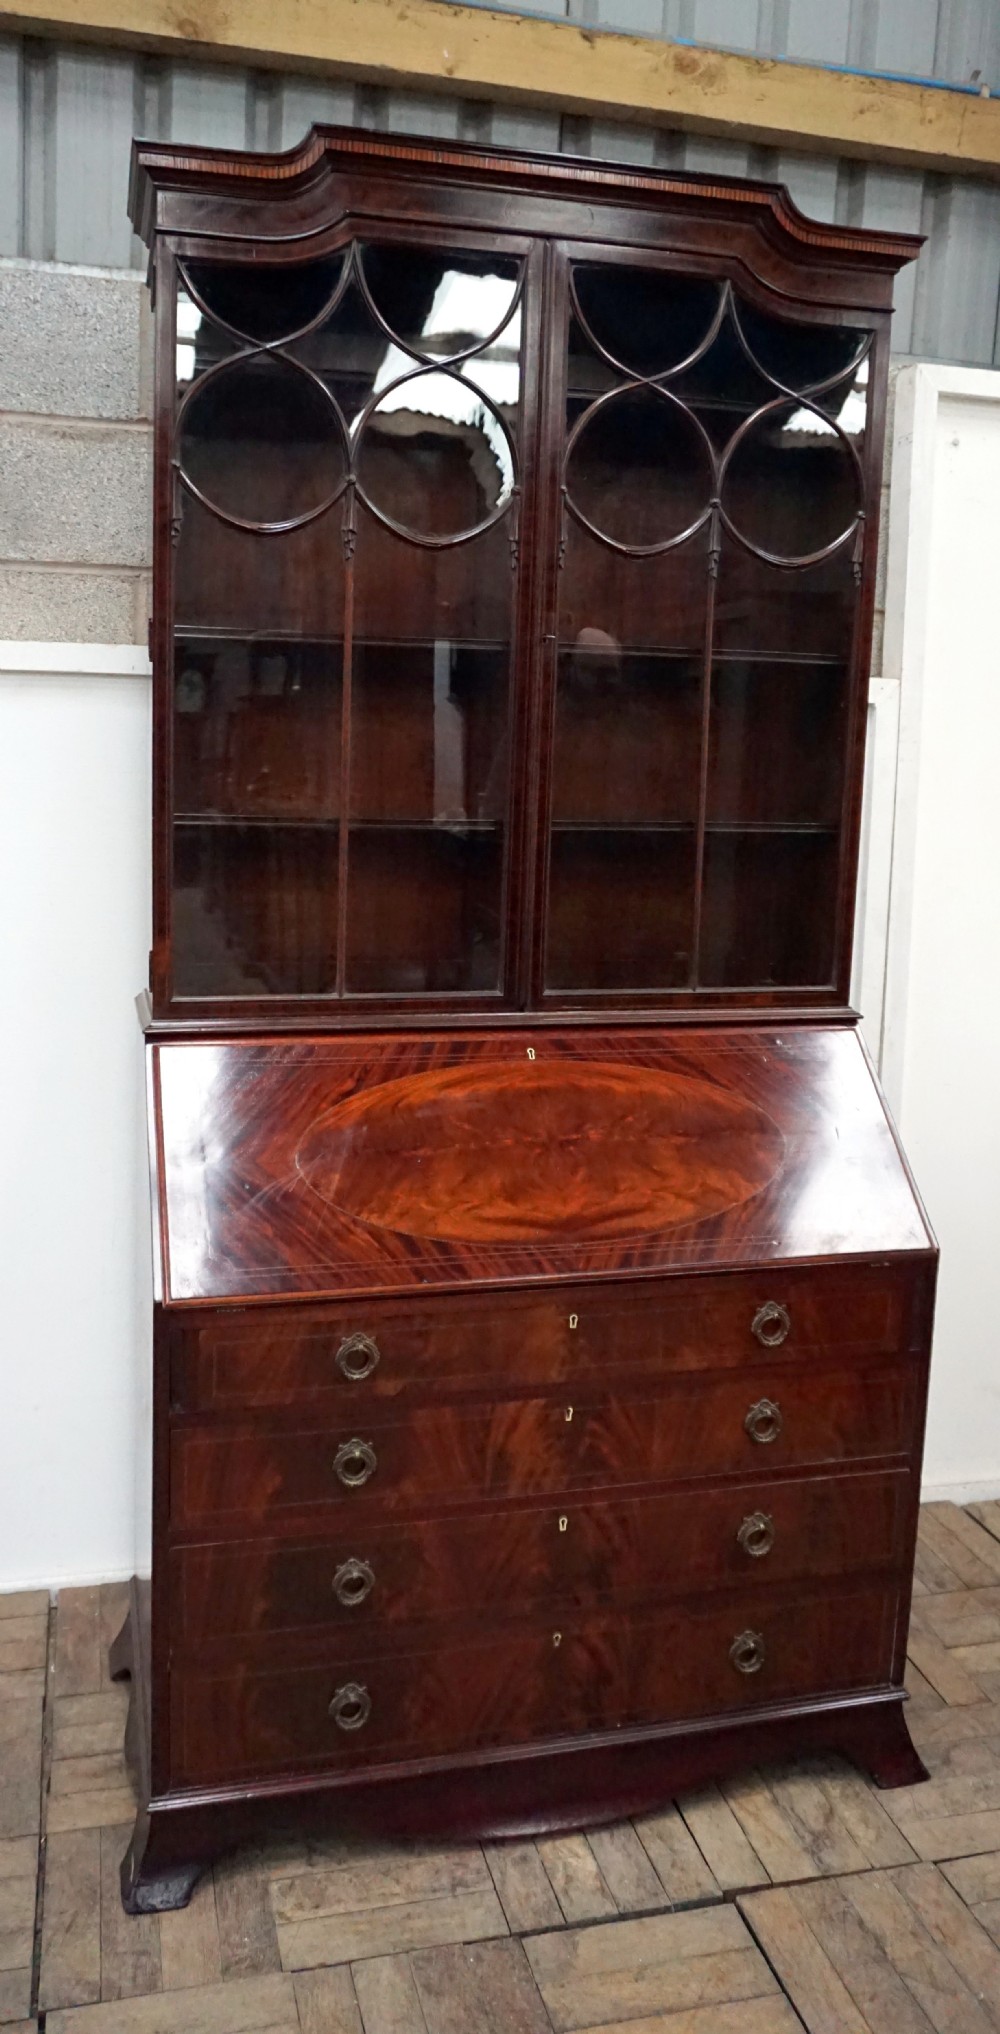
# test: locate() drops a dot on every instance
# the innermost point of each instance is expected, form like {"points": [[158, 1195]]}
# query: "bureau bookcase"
{"points": [[542, 1302]]}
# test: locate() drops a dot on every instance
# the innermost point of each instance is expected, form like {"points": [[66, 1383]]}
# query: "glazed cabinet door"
{"points": [[712, 474], [350, 442]]}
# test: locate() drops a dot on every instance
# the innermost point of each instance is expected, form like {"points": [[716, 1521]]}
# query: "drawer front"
{"points": [[452, 1454], [593, 1675], [355, 1355], [374, 1579]]}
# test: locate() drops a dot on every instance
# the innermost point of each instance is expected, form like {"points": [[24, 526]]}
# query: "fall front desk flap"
{"points": [[341, 1164]]}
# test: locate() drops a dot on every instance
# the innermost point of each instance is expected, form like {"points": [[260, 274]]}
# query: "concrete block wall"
{"points": [[75, 453]]}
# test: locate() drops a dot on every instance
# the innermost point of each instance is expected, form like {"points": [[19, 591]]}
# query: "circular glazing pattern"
{"points": [[791, 483], [436, 304], [803, 358], [646, 321], [433, 458], [639, 470], [262, 443], [268, 302]]}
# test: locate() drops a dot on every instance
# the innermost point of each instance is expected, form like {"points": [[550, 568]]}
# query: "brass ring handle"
{"points": [[357, 1356], [354, 1462], [351, 1706], [763, 1422], [756, 1534], [353, 1581], [771, 1324], [747, 1652]]}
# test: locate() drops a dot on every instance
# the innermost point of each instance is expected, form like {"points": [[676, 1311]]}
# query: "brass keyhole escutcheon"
{"points": [[747, 1652], [568, 1414], [353, 1581], [756, 1534], [563, 1523], [354, 1462], [357, 1356], [351, 1706], [763, 1422], [771, 1324]]}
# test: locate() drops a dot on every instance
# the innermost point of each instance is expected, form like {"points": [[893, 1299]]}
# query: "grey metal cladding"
{"points": [[68, 113]]}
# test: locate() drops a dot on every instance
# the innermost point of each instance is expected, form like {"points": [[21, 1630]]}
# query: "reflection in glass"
{"points": [[257, 728], [439, 305], [200, 344], [428, 732], [433, 457], [261, 442]]}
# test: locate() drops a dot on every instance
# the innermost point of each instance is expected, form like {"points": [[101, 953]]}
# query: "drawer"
{"points": [[440, 1455], [376, 1579], [349, 1355], [587, 1675]]}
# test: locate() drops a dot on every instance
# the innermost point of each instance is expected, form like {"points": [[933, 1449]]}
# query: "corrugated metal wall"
{"points": [[68, 113]]}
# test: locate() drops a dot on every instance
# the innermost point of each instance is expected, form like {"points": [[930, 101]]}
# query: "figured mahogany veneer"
{"points": [[506, 1565], [542, 1300], [620, 1672], [241, 1216], [585, 1334], [523, 1447]]}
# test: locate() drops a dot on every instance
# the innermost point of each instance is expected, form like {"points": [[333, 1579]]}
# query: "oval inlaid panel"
{"points": [[527, 1150]]}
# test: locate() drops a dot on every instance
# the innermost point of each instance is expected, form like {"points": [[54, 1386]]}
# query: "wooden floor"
{"points": [[796, 1898]]}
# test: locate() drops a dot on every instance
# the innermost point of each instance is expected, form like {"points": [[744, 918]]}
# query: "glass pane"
{"points": [[439, 304], [658, 602], [261, 303], [647, 320], [800, 357], [762, 608], [424, 909], [620, 904], [257, 728], [627, 733], [434, 457], [625, 767], [791, 486], [428, 732], [777, 742], [429, 763], [639, 471], [255, 908], [289, 583], [768, 908], [777, 756], [201, 343], [262, 442]]}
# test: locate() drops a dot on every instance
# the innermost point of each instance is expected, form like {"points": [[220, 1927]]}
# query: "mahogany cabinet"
{"points": [[542, 1300]]}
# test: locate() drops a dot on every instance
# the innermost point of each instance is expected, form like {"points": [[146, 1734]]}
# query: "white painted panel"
{"points": [[941, 1063], [74, 934]]}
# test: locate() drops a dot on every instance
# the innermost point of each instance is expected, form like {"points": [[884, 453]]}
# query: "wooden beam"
{"points": [[431, 45]]}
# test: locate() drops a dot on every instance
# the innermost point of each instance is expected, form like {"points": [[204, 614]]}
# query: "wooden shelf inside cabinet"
{"points": [[543, 1296]]}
